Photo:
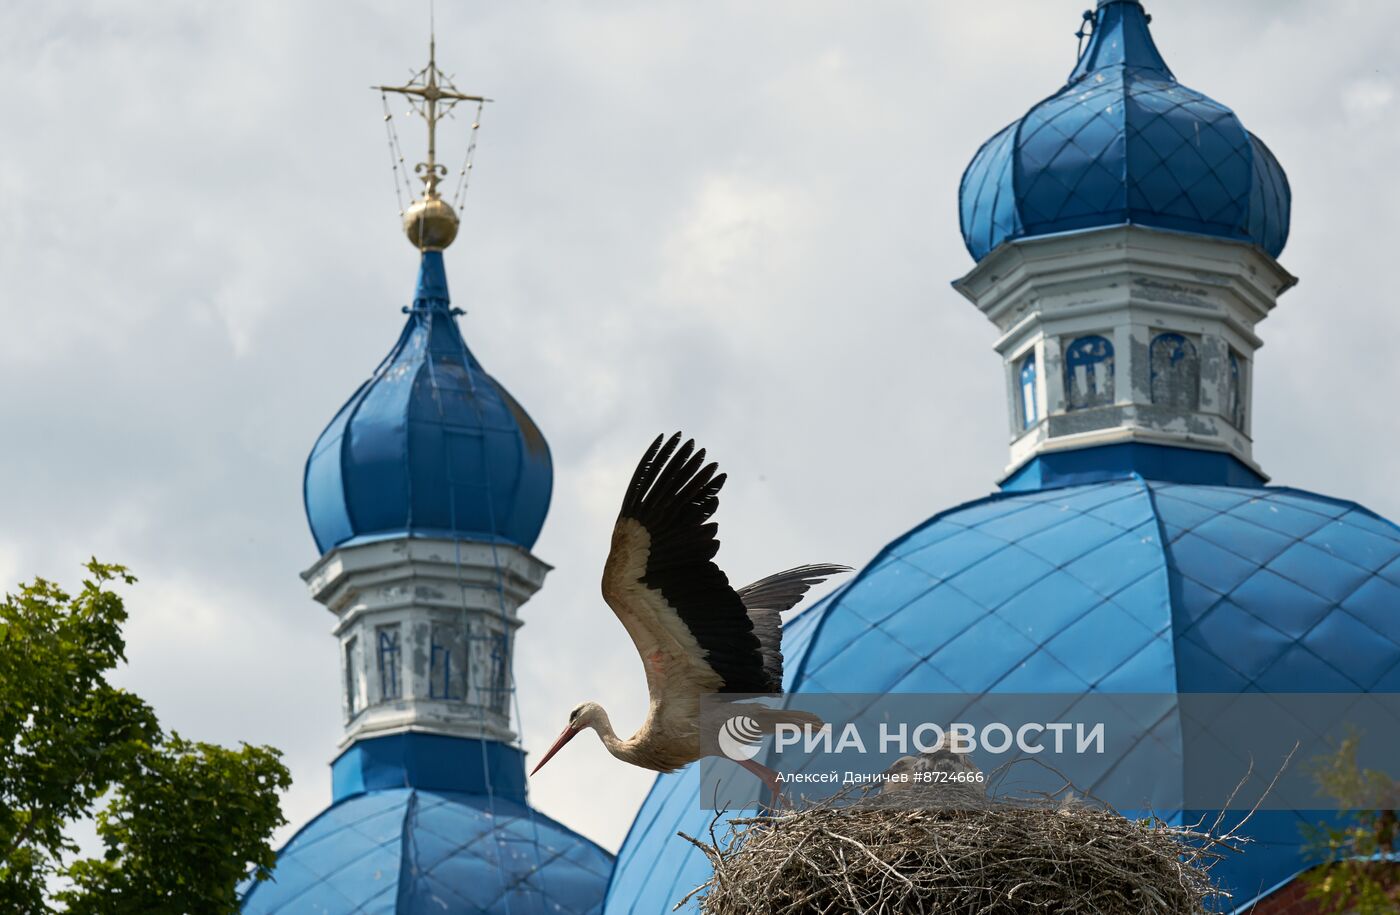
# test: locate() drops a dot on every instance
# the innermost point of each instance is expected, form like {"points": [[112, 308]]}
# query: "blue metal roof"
{"points": [[430, 445], [419, 826], [1124, 142], [1125, 585], [433, 761]]}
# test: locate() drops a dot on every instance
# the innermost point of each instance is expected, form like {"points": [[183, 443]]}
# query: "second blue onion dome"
{"points": [[431, 445], [1124, 142]]}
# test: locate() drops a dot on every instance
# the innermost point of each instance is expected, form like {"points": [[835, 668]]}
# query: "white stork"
{"points": [[697, 635]]}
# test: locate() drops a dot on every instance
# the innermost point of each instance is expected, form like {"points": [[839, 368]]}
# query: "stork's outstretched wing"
{"points": [[766, 598], [782, 590], [690, 627]]}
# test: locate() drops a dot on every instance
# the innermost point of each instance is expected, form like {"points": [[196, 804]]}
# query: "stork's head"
{"points": [[585, 715]]}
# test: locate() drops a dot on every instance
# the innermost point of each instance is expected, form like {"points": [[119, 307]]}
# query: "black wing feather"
{"points": [[673, 494], [781, 591], [766, 598]]}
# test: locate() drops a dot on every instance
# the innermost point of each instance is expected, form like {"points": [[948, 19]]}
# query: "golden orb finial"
{"points": [[430, 223]]}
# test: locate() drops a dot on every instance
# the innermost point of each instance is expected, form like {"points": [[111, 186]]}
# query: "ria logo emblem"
{"points": [[740, 738]]}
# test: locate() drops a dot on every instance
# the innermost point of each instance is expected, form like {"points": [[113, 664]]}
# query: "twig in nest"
{"points": [[990, 858]]}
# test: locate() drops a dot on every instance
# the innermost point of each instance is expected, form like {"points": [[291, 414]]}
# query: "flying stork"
{"points": [[697, 635]]}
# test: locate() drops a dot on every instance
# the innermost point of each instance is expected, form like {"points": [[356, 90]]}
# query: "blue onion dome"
{"points": [[1117, 573], [431, 445], [1124, 142], [428, 825]]}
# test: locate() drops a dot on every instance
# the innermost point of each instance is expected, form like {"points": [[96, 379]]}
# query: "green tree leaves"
{"points": [[182, 822], [1357, 848], [181, 831]]}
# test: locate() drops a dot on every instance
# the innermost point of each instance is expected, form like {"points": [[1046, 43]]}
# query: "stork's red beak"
{"points": [[569, 733]]}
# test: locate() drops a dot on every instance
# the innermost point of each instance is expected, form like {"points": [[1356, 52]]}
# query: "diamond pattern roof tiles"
{"points": [[407, 850], [1124, 142], [1077, 588]]}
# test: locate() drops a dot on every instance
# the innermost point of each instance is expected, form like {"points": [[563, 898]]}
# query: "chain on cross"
{"points": [[433, 96]]}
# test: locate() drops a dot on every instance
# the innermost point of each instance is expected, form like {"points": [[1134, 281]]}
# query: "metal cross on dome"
{"points": [[432, 95]]}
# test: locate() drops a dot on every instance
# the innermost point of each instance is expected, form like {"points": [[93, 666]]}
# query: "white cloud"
{"points": [[1368, 98]]}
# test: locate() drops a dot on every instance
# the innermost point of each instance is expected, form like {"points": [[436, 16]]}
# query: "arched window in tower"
{"points": [[499, 699], [1176, 372], [1029, 413], [447, 663], [1237, 393], [354, 701], [1088, 373], [390, 662]]}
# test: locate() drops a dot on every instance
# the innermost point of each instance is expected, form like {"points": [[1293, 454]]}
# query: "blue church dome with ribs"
{"points": [[1122, 569], [430, 445], [424, 824], [1124, 142]]}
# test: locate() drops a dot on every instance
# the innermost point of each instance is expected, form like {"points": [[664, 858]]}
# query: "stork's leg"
{"points": [[769, 777]]}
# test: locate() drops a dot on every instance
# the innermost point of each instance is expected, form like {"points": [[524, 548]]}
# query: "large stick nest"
{"points": [[979, 857]]}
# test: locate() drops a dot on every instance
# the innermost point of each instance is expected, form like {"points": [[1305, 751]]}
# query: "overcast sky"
{"points": [[735, 218]]}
